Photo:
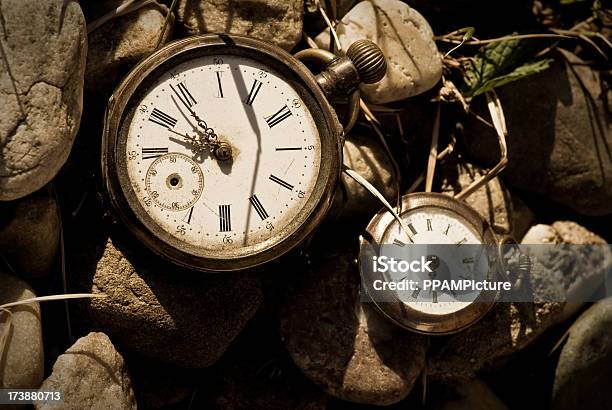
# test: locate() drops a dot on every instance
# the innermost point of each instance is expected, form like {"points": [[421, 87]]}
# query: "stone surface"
{"points": [[492, 201], [366, 155], [342, 345], [508, 328], [116, 46], [41, 91], [21, 360], [578, 271], [584, 370], [275, 21], [473, 395], [413, 61], [557, 273], [30, 226], [559, 143], [541, 233], [160, 310], [92, 375]]}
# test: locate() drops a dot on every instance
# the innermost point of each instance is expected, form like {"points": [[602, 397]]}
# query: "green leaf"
{"points": [[498, 64], [518, 73]]}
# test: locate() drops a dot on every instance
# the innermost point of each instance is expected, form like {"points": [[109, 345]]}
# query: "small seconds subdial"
{"points": [[174, 182]]}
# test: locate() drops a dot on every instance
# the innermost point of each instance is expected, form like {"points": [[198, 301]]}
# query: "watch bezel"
{"points": [[121, 108], [399, 312]]}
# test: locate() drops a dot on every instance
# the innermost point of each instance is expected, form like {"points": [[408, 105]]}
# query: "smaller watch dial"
{"points": [[431, 225]]}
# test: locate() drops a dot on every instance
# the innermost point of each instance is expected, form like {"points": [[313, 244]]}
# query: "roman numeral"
{"points": [[447, 229], [258, 207], [148, 153], [281, 182], [278, 116], [468, 260], [187, 217], [288, 148], [220, 93], [398, 242], [253, 93], [429, 228], [161, 118], [225, 220], [411, 227], [184, 95], [415, 293], [434, 296], [461, 242]]}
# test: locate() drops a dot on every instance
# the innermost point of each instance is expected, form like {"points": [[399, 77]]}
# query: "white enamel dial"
{"points": [[430, 226], [225, 206]]}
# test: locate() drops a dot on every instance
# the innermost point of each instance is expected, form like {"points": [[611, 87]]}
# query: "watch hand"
{"points": [[187, 104], [187, 137], [221, 150]]}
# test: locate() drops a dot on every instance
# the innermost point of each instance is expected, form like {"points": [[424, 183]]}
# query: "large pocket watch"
{"points": [[222, 152], [459, 248]]}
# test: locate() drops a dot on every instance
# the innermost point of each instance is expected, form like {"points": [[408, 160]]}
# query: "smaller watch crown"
{"points": [[369, 61]]}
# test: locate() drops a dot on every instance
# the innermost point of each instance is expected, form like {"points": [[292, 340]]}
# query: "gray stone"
{"points": [[344, 346], [541, 234], [584, 370], [160, 310], [413, 61], [92, 375], [492, 201], [367, 157], [576, 271], [557, 273], [508, 328], [116, 46], [473, 395], [41, 91], [29, 234], [559, 141], [21, 360], [275, 21]]}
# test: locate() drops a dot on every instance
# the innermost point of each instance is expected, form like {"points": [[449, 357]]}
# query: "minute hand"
{"points": [[188, 101]]}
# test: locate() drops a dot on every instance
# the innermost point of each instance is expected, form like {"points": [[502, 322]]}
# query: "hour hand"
{"points": [[194, 142]]}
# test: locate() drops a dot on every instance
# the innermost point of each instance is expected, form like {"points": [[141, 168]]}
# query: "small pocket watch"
{"points": [[222, 153], [457, 245]]}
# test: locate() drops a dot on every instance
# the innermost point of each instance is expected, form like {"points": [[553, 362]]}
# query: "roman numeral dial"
{"points": [[257, 195]]}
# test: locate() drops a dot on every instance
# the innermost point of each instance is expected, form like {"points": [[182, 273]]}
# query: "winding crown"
{"points": [[369, 61]]}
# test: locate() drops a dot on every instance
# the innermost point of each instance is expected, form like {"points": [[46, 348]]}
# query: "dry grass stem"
{"points": [[433, 152], [126, 7], [370, 188], [51, 298], [333, 35]]}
